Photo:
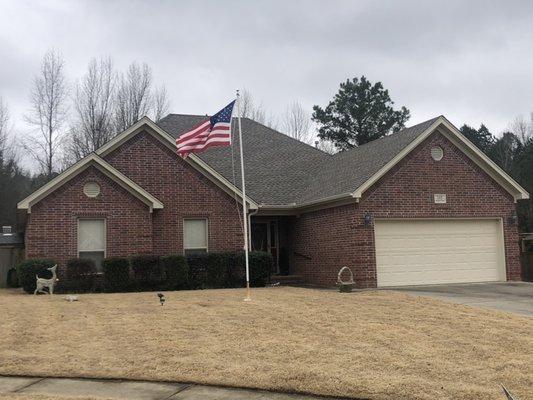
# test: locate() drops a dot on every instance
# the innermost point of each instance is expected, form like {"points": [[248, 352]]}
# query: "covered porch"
{"points": [[271, 234]]}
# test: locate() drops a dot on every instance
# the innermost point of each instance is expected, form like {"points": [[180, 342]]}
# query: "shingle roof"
{"points": [[12, 239], [281, 170], [348, 170]]}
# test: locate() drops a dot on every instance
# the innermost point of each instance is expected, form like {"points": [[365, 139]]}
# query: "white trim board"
{"points": [[457, 138], [104, 167], [167, 139]]}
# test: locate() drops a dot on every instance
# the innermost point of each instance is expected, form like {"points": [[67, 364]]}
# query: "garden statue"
{"points": [[345, 286], [47, 283]]}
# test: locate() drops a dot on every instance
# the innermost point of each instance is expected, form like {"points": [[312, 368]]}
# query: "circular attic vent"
{"points": [[437, 153], [91, 189]]}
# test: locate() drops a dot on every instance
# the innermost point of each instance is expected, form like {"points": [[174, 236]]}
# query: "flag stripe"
{"points": [[216, 131]]}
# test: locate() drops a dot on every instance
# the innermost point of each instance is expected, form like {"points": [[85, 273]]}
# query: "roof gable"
{"points": [[282, 172], [96, 161], [146, 124], [276, 165]]}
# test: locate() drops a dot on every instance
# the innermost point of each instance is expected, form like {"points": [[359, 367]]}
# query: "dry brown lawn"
{"points": [[32, 396], [376, 344]]}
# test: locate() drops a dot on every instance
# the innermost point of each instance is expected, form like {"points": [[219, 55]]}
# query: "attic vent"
{"points": [[91, 189], [6, 230], [437, 153]]}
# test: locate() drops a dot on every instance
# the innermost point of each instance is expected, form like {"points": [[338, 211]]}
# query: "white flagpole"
{"points": [[244, 212]]}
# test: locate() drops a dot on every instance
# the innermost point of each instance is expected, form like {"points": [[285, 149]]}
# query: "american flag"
{"points": [[216, 131]]}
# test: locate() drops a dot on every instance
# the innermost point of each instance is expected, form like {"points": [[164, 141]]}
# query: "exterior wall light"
{"points": [[513, 219], [368, 218]]}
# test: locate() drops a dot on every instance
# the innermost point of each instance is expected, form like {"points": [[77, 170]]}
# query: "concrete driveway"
{"points": [[513, 297]]}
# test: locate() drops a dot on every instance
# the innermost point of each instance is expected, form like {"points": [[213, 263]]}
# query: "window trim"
{"points": [[78, 235], [206, 248]]}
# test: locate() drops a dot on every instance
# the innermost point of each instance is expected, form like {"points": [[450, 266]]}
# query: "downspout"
{"points": [[249, 221]]}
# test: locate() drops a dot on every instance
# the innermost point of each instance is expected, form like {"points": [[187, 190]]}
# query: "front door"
{"points": [[265, 238]]}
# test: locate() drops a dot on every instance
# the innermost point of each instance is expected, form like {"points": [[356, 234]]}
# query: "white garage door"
{"points": [[420, 252]]}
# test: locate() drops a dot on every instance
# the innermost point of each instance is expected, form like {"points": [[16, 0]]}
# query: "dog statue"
{"points": [[47, 283]]}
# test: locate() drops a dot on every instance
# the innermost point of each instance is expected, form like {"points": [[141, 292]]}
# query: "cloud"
{"points": [[467, 60]]}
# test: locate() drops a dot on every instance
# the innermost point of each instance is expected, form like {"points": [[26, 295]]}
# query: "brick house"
{"points": [[421, 206]]}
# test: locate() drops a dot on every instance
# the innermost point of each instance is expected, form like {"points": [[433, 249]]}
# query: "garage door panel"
{"points": [[411, 252]]}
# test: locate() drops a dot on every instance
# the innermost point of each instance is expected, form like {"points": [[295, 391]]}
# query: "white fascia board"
{"points": [[91, 160], [167, 139], [464, 145]]}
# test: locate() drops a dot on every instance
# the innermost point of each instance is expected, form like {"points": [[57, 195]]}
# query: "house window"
{"points": [[195, 234], [92, 240]]}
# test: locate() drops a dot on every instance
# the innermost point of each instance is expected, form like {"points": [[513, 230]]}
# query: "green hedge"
{"points": [[116, 274], [260, 268], [81, 274], [176, 272], [227, 269], [147, 272], [28, 269]]}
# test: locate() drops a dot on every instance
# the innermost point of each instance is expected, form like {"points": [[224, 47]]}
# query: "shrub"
{"points": [[28, 269], [176, 272], [13, 279], [116, 274], [197, 270], [147, 272], [227, 269], [218, 266], [260, 268], [81, 274]]}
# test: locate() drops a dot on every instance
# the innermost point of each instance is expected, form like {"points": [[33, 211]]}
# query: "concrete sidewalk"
{"points": [[134, 390]]}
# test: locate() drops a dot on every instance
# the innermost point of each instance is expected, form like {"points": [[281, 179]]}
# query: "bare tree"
{"points": [[93, 105], [296, 123], [134, 96], [255, 112], [4, 127], [326, 146], [48, 112], [522, 128], [161, 103]]}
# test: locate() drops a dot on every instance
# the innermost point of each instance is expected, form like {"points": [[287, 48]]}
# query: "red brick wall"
{"points": [[328, 239], [131, 229], [184, 191], [51, 231]]}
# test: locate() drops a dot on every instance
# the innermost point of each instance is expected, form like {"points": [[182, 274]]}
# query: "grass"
{"points": [[376, 344], [32, 396]]}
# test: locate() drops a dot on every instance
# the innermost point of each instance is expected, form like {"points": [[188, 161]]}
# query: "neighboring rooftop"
{"points": [[281, 170]]}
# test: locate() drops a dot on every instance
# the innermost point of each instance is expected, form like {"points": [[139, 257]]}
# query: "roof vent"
{"points": [[91, 189], [6, 230]]}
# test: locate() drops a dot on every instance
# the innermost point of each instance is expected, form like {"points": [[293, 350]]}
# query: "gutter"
{"points": [[296, 207]]}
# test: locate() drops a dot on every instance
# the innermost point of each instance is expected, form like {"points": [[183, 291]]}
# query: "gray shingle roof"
{"points": [[281, 170]]}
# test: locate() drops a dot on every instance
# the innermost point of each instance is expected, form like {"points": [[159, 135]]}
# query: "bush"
{"points": [[116, 274], [176, 272], [147, 272], [28, 269], [81, 274], [218, 267], [260, 268], [197, 270], [227, 269], [13, 279]]}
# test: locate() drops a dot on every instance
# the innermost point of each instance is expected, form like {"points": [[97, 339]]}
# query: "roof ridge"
{"points": [[255, 122], [285, 135], [394, 134]]}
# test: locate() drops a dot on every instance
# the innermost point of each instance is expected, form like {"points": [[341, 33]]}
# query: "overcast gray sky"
{"points": [[471, 61]]}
